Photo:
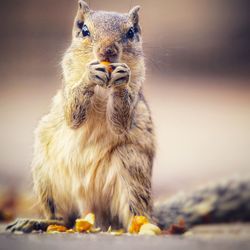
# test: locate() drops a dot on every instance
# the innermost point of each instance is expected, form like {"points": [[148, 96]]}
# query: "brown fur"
{"points": [[94, 150]]}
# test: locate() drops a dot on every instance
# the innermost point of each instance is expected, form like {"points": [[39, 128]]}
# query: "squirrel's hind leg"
{"points": [[29, 225], [46, 204], [132, 193]]}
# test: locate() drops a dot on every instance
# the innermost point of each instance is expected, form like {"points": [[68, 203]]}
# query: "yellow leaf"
{"points": [[117, 232], [86, 223], [150, 227], [147, 232], [90, 217], [136, 223], [56, 228], [82, 225]]}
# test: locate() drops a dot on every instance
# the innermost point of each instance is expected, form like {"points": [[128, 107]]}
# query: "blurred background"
{"points": [[198, 85]]}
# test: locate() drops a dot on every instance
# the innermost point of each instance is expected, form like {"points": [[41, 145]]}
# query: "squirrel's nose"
{"points": [[108, 52]]}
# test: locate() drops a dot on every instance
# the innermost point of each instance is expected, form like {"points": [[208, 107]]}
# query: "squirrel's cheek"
{"points": [[86, 42]]}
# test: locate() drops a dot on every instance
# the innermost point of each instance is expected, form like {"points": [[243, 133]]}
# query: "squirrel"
{"points": [[94, 150]]}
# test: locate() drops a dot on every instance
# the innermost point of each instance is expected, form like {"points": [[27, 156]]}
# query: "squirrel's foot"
{"points": [[28, 225], [98, 74], [120, 76]]}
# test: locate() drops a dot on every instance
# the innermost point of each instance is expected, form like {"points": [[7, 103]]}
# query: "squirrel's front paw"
{"points": [[120, 75], [98, 74]]}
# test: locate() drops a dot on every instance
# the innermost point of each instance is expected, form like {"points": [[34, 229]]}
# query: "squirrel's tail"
{"points": [[226, 201]]}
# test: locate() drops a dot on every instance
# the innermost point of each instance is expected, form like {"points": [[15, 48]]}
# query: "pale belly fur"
{"points": [[78, 164]]}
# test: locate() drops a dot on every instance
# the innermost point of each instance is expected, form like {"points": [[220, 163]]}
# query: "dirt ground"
{"points": [[234, 236]]}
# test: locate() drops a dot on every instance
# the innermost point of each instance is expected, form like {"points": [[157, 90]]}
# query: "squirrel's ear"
{"points": [[133, 14], [83, 7], [83, 11]]}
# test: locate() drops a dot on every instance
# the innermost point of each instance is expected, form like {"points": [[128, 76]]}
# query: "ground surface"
{"points": [[226, 237]]}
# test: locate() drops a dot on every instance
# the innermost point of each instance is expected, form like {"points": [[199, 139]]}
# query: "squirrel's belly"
{"points": [[77, 162], [86, 170]]}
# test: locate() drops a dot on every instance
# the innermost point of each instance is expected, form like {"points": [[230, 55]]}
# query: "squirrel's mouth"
{"points": [[111, 59]]}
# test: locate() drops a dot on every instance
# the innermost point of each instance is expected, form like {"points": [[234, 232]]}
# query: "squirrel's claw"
{"points": [[120, 75], [21, 225], [28, 225], [98, 74]]}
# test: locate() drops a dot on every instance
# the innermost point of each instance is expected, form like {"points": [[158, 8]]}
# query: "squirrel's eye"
{"points": [[79, 24], [85, 30], [131, 33]]}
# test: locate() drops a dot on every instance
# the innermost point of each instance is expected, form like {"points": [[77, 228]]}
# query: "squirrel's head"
{"points": [[107, 36]]}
